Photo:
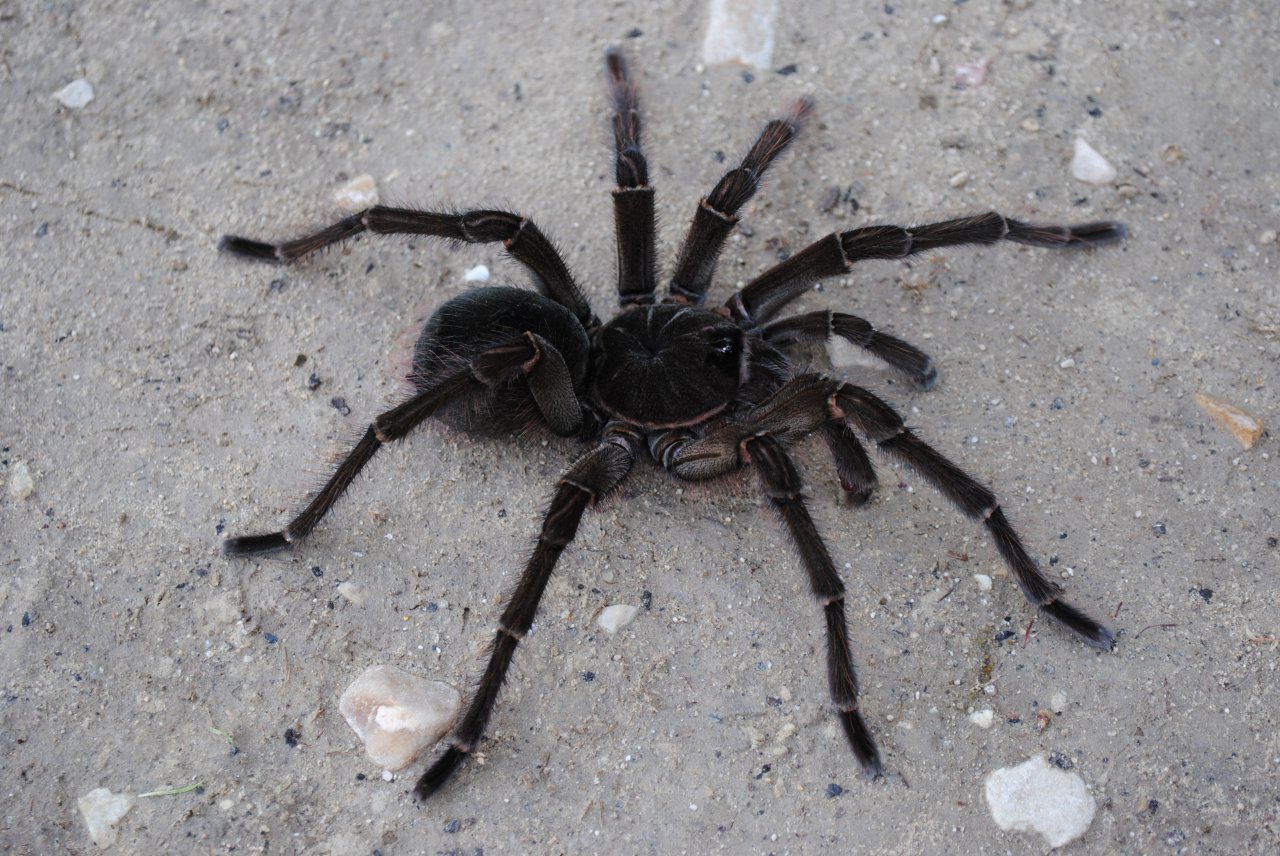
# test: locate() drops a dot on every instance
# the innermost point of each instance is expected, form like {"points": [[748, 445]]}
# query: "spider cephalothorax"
{"points": [[700, 392]]}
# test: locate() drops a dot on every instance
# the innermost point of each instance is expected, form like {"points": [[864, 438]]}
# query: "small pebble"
{"points": [[959, 179], [479, 273], [75, 94], [614, 618], [1267, 237], [970, 75], [357, 194], [102, 810], [1089, 166], [983, 581], [21, 485], [1031, 125], [1038, 797], [740, 32], [1069, 362], [1058, 702], [397, 715], [984, 718], [1240, 423], [353, 592]]}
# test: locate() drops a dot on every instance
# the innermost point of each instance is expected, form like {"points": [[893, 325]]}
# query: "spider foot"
{"points": [[439, 773], [864, 745], [1080, 624], [248, 249], [1077, 235], [255, 545]]}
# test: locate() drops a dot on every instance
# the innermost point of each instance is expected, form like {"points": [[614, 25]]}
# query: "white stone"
{"points": [[1058, 702], [75, 94], [479, 273], [21, 484], [984, 718], [353, 592], [397, 715], [357, 194], [1035, 796], [1089, 166], [102, 810], [740, 31], [983, 581], [614, 618]]}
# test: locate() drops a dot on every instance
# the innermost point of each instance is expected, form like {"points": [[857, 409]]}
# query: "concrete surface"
{"points": [[157, 395]]}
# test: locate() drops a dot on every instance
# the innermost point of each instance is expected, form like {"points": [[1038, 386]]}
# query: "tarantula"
{"points": [[703, 391]]}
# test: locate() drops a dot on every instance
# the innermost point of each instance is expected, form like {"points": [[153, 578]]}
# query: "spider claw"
{"points": [[1080, 624], [254, 545], [862, 743], [247, 248], [439, 773]]}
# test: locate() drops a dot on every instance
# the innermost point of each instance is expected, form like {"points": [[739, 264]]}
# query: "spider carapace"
{"points": [[698, 391]]}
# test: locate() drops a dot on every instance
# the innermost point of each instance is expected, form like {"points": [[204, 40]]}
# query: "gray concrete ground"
{"points": [[157, 394]]}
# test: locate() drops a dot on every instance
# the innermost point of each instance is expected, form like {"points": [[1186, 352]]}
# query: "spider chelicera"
{"points": [[701, 392]]}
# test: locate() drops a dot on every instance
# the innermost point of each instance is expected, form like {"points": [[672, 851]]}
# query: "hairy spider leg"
{"points": [[717, 213], [783, 486], [530, 355], [822, 325], [728, 447], [810, 403], [853, 465], [882, 424], [633, 197], [835, 254], [519, 236], [591, 477]]}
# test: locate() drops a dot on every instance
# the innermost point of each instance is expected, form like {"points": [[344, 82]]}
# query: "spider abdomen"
{"points": [[487, 318]]}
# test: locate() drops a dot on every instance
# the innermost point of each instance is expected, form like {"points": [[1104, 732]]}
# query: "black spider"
{"points": [[702, 391]]}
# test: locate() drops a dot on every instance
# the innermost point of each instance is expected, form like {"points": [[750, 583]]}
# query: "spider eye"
{"points": [[724, 353]]}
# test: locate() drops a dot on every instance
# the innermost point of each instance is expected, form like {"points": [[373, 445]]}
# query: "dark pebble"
{"points": [[588, 676], [834, 790], [1062, 762], [452, 826], [292, 736], [1159, 529], [340, 404]]}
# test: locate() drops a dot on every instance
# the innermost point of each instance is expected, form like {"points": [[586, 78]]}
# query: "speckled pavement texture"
{"points": [[159, 394]]}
